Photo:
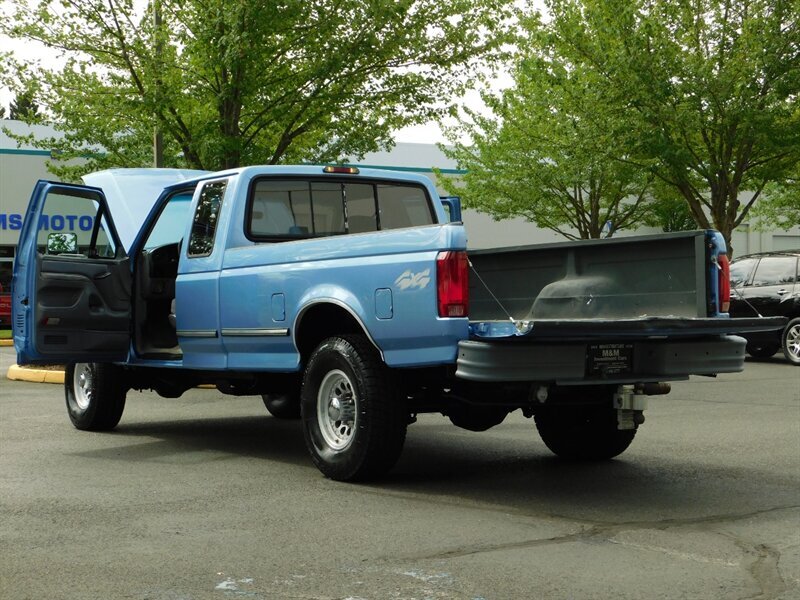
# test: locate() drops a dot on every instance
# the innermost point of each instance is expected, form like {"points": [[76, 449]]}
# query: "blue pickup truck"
{"points": [[348, 299]]}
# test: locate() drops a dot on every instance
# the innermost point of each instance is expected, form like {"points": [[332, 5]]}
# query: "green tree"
{"points": [[242, 82], [23, 107], [668, 209], [780, 204], [550, 151], [710, 88]]}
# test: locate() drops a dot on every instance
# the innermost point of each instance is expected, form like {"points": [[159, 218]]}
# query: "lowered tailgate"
{"points": [[625, 310]]}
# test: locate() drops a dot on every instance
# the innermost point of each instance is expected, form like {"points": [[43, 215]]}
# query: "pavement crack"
{"points": [[519, 545], [663, 524], [762, 567]]}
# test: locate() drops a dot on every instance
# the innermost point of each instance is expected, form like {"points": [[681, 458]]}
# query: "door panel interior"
{"points": [[72, 280], [83, 305]]}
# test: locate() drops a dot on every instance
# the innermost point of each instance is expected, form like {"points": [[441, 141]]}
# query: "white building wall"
{"points": [[20, 168], [18, 174]]}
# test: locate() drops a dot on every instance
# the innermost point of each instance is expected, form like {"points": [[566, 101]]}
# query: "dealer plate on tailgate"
{"points": [[604, 360]]}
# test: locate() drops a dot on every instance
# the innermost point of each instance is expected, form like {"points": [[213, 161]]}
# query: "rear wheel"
{"points": [[583, 432], [95, 395], [761, 350], [354, 421], [282, 406], [791, 342]]}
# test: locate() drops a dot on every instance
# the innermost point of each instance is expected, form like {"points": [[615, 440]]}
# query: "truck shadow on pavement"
{"points": [[510, 469], [640, 485], [180, 440]]}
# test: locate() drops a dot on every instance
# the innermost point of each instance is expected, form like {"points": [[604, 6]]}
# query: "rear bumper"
{"points": [[567, 363], [640, 327]]}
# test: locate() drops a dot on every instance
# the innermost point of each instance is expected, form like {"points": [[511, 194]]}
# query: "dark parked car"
{"points": [[767, 285]]}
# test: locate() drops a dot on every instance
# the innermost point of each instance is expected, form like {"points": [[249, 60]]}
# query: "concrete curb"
{"points": [[17, 373]]}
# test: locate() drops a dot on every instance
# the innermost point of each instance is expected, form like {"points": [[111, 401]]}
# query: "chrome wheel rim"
{"points": [[337, 410], [793, 341], [82, 385]]}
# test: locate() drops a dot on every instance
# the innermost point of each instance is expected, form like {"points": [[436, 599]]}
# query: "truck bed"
{"points": [[622, 310], [623, 278]]}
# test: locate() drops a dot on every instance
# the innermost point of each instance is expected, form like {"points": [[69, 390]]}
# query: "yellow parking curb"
{"points": [[6, 342], [17, 373]]}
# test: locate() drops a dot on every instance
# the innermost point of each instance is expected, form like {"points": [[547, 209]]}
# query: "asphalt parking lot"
{"points": [[207, 496]]}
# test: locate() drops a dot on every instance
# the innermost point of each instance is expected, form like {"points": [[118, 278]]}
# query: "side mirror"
{"points": [[62, 243], [452, 206]]}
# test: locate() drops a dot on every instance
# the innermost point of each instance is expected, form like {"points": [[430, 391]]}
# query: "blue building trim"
{"points": [[23, 152]]}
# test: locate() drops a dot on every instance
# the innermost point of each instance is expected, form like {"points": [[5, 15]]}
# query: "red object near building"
{"points": [[5, 308]]}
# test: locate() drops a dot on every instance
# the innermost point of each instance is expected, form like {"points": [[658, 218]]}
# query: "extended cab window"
{"points": [[296, 209], [206, 215], [74, 225]]}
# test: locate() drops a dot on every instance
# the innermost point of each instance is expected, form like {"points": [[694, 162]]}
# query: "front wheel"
{"points": [[583, 432], [354, 422], [791, 342], [95, 395]]}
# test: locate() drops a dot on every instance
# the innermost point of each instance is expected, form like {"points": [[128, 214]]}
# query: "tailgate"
{"points": [[665, 275]]}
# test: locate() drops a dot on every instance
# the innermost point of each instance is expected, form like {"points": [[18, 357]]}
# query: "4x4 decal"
{"points": [[409, 279]]}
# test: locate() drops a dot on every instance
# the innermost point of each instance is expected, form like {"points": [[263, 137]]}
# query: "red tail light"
{"points": [[452, 281], [724, 283]]}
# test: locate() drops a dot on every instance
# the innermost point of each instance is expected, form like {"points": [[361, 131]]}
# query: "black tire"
{"points": [[282, 406], [354, 421], [761, 350], [791, 342], [95, 394], [583, 432]]}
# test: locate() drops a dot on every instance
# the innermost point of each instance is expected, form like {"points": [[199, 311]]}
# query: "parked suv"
{"points": [[767, 285]]}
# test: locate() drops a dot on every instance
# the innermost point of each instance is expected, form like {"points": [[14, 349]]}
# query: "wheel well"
{"points": [[321, 322]]}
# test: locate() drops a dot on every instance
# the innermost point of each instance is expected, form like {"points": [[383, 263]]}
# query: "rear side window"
{"points": [[206, 216], [297, 209], [776, 270]]}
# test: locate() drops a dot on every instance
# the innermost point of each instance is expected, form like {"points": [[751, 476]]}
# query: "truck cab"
{"points": [[165, 288]]}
